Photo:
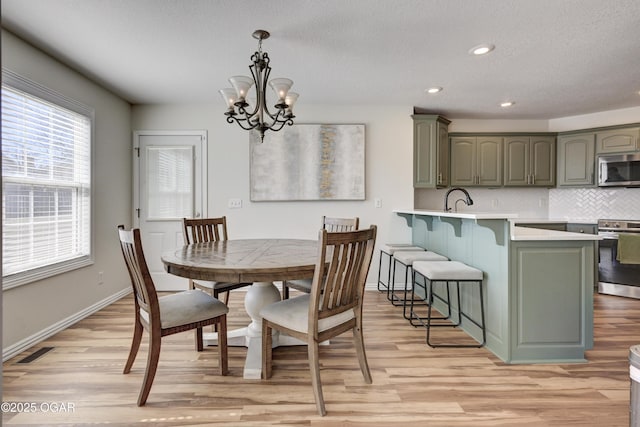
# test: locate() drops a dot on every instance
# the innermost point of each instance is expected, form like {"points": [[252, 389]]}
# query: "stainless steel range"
{"points": [[615, 278]]}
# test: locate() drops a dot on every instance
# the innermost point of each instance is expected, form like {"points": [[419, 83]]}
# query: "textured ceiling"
{"points": [[554, 58]]}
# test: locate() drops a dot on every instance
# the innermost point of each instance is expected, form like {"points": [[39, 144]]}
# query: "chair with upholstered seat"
{"points": [[333, 306], [332, 225], [166, 315], [208, 230]]}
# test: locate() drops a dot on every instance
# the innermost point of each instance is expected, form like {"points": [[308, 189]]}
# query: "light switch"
{"points": [[235, 203]]}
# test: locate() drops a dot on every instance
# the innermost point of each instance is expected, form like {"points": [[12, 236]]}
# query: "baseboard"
{"points": [[22, 345]]}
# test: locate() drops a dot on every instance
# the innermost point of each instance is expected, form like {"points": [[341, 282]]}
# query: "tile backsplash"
{"points": [[591, 204], [574, 204], [529, 203]]}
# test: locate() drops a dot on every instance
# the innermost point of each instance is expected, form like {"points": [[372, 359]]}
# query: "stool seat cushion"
{"points": [[452, 270], [409, 257], [389, 249]]}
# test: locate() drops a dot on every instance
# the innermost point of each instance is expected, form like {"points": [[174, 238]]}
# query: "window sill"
{"points": [[19, 279]]}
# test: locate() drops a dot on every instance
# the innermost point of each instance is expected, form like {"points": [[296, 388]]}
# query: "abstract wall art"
{"points": [[308, 162]]}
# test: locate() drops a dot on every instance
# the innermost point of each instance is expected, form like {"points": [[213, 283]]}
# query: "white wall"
{"points": [[586, 121], [33, 309], [388, 170]]}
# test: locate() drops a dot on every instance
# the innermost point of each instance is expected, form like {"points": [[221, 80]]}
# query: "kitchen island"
{"points": [[538, 284]]}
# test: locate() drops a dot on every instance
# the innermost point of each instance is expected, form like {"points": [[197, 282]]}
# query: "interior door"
{"points": [[169, 184]]}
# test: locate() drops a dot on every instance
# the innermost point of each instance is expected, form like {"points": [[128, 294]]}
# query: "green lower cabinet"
{"points": [[537, 294], [551, 316]]}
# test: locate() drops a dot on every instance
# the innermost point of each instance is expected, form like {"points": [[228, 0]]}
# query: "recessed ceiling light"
{"points": [[481, 49], [434, 89], [507, 104]]}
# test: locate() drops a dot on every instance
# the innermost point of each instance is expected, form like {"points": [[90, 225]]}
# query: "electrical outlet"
{"points": [[378, 203], [494, 203], [100, 277], [235, 203]]}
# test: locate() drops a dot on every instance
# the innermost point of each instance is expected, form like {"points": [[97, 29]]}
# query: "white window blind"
{"points": [[170, 182], [46, 189]]}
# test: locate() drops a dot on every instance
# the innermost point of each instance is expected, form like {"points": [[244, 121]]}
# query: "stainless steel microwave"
{"points": [[619, 170]]}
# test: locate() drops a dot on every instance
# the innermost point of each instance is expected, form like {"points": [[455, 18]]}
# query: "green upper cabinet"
{"points": [[430, 151], [576, 159], [530, 161], [476, 161], [618, 140]]}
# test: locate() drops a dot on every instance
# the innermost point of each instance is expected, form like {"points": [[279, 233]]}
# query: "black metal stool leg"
{"points": [[413, 298], [381, 284], [461, 314], [428, 301]]}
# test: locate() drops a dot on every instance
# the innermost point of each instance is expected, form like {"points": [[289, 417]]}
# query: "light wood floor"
{"points": [[412, 383]]}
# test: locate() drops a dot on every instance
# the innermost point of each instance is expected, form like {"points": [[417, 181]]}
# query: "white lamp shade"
{"points": [[241, 84], [229, 96], [291, 99], [281, 87]]}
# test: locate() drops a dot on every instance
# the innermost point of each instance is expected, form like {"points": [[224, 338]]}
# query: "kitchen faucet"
{"points": [[468, 202]]}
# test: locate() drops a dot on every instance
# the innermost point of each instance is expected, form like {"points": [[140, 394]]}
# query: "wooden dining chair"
{"points": [[333, 306], [331, 225], [166, 315], [209, 230]]}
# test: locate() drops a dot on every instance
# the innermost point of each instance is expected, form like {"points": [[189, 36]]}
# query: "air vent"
{"points": [[36, 355]]}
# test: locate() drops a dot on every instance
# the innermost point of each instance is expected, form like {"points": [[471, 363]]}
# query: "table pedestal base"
{"points": [[258, 295]]}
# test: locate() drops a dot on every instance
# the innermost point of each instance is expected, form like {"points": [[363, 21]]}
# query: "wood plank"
{"points": [[411, 382]]}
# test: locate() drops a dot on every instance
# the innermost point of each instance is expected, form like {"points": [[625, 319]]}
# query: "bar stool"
{"points": [[389, 249], [449, 272], [406, 260]]}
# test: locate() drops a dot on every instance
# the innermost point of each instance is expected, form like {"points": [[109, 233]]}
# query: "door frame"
{"points": [[200, 186]]}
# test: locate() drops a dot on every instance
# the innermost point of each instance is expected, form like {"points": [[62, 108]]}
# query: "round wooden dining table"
{"points": [[260, 261]]}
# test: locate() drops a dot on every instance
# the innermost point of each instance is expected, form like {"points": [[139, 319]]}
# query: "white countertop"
{"points": [[463, 215], [517, 233], [527, 233], [539, 221]]}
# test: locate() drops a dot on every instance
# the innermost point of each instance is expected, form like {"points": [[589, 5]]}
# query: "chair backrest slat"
{"points": [[340, 224], [341, 272], [143, 288], [204, 230]]}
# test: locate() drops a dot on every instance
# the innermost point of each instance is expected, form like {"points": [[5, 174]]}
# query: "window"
{"points": [[46, 182]]}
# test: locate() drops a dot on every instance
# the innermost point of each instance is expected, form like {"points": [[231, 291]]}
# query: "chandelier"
{"points": [[258, 116]]}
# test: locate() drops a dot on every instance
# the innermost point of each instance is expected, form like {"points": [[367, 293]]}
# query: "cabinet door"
{"points": [[442, 168], [463, 159], [576, 160], [424, 154], [489, 161], [618, 140], [543, 161], [516, 160]]}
